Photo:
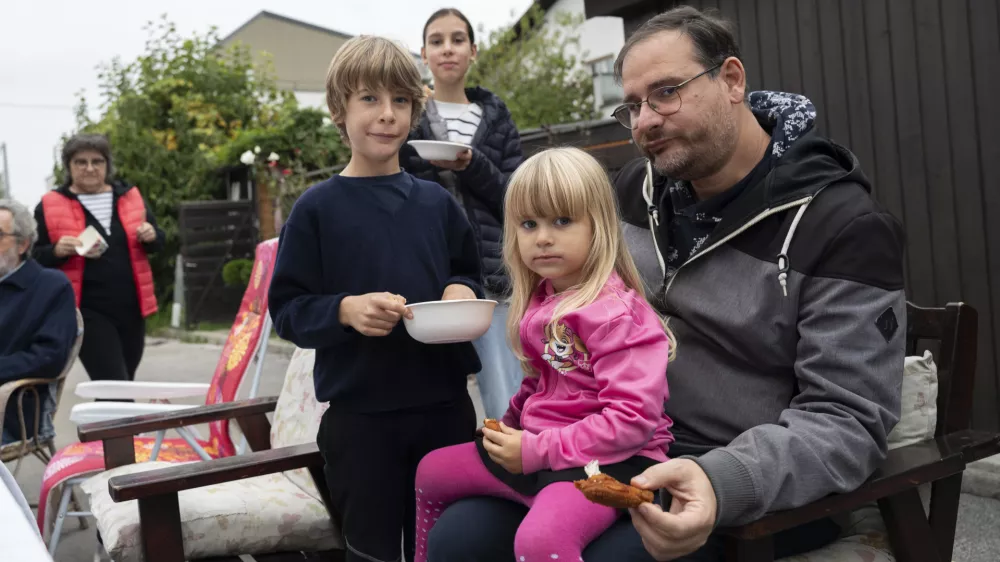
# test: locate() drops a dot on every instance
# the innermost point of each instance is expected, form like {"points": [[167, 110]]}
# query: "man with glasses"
{"points": [[37, 318], [783, 281]]}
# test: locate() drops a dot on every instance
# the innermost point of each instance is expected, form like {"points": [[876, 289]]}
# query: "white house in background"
{"points": [[600, 40], [300, 52]]}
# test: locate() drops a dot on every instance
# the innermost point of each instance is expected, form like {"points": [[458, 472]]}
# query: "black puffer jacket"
{"points": [[496, 154]]}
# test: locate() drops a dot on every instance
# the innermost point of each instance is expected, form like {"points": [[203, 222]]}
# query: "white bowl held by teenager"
{"points": [[438, 150]]}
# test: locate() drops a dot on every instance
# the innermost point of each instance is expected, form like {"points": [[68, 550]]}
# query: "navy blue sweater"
{"points": [[350, 236], [37, 329]]}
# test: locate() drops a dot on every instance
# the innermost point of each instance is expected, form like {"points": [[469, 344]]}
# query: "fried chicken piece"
{"points": [[492, 424], [606, 490]]}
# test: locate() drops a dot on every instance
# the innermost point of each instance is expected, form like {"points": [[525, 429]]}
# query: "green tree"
{"points": [[534, 67], [184, 108]]}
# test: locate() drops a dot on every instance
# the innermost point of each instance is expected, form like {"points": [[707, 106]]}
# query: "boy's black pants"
{"points": [[371, 464]]}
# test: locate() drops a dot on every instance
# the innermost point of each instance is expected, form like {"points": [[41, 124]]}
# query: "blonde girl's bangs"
{"points": [[546, 185]]}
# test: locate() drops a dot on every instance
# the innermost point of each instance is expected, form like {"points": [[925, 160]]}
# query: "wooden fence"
{"points": [[212, 234]]}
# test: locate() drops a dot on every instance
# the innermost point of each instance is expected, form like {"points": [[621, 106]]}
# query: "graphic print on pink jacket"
{"points": [[599, 397]]}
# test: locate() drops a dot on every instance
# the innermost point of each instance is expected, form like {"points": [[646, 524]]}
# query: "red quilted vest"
{"points": [[64, 217]]}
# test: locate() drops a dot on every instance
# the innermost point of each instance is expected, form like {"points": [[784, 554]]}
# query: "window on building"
{"points": [[606, 90]]}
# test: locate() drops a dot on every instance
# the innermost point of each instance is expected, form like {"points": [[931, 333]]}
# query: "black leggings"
{"points": [[112, 348], [371, 463]]}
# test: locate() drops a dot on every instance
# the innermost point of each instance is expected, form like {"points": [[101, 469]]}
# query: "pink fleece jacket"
{"points": [[602, 382]]}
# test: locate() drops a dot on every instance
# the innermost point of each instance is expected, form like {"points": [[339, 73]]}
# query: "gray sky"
{"points": [[51, 49]]}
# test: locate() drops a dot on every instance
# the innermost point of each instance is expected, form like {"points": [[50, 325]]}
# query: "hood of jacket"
{"points": [[805, 163]]}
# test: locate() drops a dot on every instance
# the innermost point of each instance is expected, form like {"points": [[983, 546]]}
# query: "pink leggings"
{"points": [[559, 524]]}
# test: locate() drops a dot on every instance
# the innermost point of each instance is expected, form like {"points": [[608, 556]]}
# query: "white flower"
{"points": [[247, 158], [273, 157], [256, 150]]}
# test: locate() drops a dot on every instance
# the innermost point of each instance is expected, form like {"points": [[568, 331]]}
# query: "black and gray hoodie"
{"points": [[789, 315]]}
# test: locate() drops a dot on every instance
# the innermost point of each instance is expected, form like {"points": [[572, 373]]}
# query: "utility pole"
{"points": [[5, 177]]}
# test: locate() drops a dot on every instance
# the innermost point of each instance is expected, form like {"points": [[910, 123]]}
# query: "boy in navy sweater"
{"points": [[355, 249]]}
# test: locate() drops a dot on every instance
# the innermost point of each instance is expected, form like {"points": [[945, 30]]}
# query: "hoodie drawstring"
{"points": [[784, 264], [653, 213]]}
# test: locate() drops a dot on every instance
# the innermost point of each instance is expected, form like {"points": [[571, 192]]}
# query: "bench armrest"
{"points": [[904, 468], [196, 475]]}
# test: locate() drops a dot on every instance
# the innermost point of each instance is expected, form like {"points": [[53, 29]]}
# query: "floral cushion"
{"points": [[251, 516], [864, 539], [297, 414]]}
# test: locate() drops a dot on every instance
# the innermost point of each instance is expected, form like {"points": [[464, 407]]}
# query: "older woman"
{"points": [[113, 282]]}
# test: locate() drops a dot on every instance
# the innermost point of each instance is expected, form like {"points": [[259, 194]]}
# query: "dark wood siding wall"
{"points": [[909, 86]]}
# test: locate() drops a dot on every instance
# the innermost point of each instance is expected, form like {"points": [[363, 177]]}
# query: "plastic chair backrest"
{"points": [[241, 345]]}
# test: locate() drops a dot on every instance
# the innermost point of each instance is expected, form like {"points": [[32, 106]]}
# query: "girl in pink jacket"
{"points": [[594, 353]]}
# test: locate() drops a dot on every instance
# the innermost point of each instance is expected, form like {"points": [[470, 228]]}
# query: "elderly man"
{"points": [[37, 315], [783, 281]]}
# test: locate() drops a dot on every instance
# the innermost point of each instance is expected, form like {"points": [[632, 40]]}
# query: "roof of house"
{"points": [[545, 5], [293, 21]]}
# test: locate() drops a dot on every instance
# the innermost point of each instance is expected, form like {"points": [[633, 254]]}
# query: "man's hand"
{"points": [[458, 165], [373, 314], [146, 233], [66, 246], [504, 447], [457, 291], [691, 519]]}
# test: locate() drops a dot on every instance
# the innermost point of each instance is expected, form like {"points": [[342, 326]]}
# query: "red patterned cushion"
{"points": [[79, 459]]}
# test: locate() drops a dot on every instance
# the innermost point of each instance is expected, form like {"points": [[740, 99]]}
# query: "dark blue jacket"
{"points": [[37, 329], [496, 154]]}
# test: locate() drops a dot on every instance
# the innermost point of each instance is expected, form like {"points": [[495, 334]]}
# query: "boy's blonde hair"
{"points": [[565, 182], [372, 62]]}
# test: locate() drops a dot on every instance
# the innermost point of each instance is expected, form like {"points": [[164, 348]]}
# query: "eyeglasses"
{"points": [[9, 235], [95, 162], [665, 101]]}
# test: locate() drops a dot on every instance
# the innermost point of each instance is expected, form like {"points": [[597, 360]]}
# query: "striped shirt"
{"points": [[462, 120], [100, 205]]}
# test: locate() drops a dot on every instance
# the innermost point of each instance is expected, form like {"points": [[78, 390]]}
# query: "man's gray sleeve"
{"points": [[848, 370]]}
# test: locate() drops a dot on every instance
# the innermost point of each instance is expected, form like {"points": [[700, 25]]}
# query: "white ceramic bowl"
{"points": [[449, 321], [438, 150]]}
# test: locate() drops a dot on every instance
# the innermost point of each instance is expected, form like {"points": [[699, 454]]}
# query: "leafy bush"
{"points": [[185, 108], [236, 273], [535, 70]]}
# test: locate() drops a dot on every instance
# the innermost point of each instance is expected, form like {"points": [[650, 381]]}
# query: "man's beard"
{"points": [[701, 153], [8, 261]]}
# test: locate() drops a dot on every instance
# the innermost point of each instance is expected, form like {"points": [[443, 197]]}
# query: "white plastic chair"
{"points": [[159, 395]]}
